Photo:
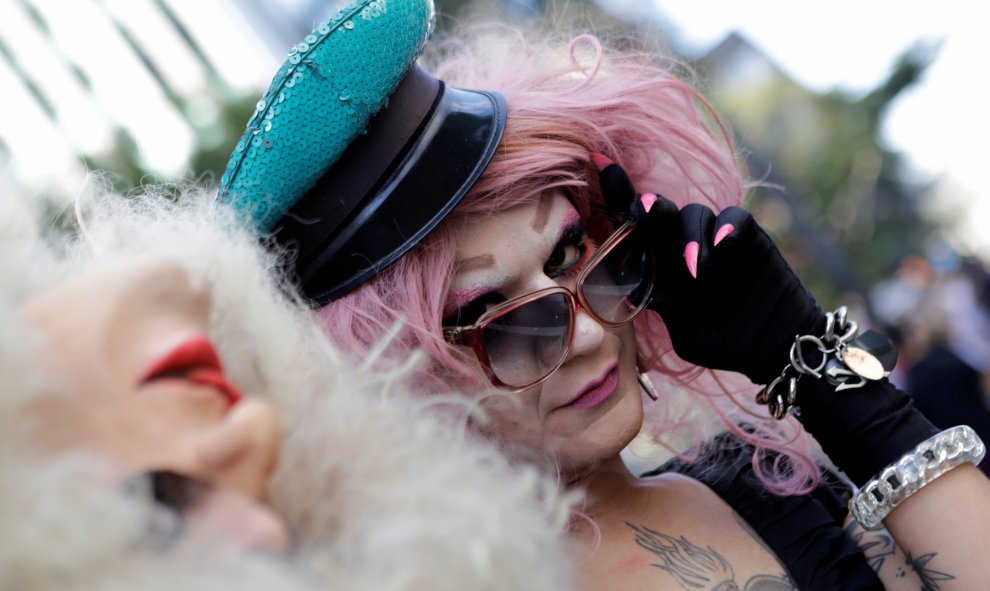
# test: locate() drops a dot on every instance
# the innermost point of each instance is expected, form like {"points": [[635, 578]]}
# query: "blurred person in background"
{"points": [[133, 458], [950, 381]]}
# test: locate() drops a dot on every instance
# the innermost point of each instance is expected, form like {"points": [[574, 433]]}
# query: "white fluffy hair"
{"points": [[379, 490]]}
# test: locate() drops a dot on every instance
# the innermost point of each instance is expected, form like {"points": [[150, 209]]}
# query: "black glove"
{"points": [[729, 299], [732, 302], [862, 430]]}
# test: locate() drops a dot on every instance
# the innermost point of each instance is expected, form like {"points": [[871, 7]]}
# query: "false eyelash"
{"points": [[588, 249]]}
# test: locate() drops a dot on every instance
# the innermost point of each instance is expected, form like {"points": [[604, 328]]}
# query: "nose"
{"points": [[588, 335], [241, 452]]}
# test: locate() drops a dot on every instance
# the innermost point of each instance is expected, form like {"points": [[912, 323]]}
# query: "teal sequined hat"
{"points": [[355, 153]]}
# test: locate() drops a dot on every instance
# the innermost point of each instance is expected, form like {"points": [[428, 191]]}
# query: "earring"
{"points": [[646, 384]]}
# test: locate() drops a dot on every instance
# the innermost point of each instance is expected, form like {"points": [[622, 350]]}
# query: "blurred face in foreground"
{"points": [[590, 407], [133, 379]]}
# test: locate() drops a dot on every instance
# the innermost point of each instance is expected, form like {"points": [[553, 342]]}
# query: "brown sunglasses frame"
{"points": [[470, 336]]}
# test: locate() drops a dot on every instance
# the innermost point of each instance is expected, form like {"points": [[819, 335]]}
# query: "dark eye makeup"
{"points": [[568, 254], [470, 312], [572, 250]]}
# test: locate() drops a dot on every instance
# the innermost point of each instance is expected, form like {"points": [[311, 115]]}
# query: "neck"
{"points": [[604, 485]]}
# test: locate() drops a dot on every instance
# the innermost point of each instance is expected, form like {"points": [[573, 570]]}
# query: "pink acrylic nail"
{"points": [[601, 161], [691, 257], [648, 199], [723, 232]]}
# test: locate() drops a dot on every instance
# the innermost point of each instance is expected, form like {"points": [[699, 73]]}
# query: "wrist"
{"points": [[779, 355], [835, 384], [915, 470], [832, 350], [864, 429]]}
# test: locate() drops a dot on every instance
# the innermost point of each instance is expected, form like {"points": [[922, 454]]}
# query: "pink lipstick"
{"points": [[598, 391], [195, 361]]}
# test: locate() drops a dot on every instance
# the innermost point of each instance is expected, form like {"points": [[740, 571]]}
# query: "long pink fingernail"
{"points": [[648, 199], [601, 161], [723, 232], [691, 257]]}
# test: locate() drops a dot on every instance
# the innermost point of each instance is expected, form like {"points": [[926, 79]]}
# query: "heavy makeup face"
{"points": [[590, 408], [133, 379]]}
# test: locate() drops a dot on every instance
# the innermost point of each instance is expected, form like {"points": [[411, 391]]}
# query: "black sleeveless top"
{"points": [[805, 532]]}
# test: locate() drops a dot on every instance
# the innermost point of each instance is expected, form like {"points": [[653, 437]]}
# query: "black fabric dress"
{"points": [[805, 532]]}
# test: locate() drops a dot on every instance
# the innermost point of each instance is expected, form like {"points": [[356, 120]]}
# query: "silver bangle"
{"points": [[930, 459]]}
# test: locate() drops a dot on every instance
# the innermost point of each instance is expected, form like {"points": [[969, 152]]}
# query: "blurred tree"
{"points": [[216, 115], [841, 205]]}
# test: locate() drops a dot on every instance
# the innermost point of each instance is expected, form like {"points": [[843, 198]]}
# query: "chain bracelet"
{"points": [[839, 333], [927, 461]]}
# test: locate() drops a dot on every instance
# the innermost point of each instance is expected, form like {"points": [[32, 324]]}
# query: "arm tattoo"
{"points": [[880, 547], [697, 568], [877, 548], [930, 577]]}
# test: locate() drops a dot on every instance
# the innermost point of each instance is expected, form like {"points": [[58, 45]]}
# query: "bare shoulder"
{"points": [[678, 534]]}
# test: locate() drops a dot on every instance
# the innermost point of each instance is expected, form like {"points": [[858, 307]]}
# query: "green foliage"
{"points": [[834, 195]]}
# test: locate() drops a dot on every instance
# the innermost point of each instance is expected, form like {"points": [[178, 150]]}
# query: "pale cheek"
{"points": [[512, 416]]}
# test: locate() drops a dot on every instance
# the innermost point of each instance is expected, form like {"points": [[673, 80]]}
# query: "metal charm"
{"points": [[840, 376], [870, 355]]}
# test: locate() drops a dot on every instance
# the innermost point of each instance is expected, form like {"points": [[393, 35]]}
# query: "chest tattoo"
{"points": [[701, 568]]}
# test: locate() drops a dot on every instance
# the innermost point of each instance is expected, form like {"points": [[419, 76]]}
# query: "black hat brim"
{"points": [[432, 174]]}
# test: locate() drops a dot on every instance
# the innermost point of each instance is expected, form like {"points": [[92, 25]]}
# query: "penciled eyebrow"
{"points": [[458, 300], [475, 263], [543, 212]]}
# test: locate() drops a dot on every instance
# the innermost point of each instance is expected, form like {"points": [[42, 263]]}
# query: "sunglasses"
{"points": [[523, 341]]}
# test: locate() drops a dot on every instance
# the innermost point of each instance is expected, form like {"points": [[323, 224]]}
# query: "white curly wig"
{"points": [[380, 491]]}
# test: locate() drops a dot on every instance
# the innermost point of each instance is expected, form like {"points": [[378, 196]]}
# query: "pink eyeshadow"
{"points": [[456, 300]]}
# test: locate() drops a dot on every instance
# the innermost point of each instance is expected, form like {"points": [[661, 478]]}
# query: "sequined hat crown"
{"points": [[355, 153]]}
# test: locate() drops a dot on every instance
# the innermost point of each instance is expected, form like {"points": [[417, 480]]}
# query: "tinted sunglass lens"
{"points": [[528, 342], [620, 284]]}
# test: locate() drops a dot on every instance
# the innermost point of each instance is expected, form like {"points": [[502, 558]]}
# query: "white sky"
{"points": [[941, 125]]}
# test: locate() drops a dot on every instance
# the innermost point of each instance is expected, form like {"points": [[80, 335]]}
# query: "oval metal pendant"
{"points": [[870, 355]]}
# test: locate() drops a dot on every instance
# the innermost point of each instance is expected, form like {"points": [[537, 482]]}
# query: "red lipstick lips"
{"points": [[597, 391], [196, 361]]}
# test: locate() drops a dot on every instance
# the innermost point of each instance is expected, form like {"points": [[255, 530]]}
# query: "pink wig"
{"points": [[565, 102]]}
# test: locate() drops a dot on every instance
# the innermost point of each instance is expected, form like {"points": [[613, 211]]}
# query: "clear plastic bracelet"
{"points": [[927, 461]]}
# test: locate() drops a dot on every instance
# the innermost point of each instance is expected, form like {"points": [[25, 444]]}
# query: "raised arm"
{"points": [[731, 302]]}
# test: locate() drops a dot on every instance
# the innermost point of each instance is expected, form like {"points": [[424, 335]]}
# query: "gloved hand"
{"points": [[729, 299]]}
